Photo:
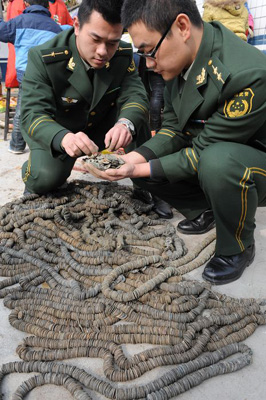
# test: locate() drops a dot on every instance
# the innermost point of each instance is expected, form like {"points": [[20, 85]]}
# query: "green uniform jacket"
{"points": [[58, 97], [223, 99]]}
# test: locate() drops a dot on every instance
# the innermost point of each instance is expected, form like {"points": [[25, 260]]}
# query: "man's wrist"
{"points": [[128, 124]]}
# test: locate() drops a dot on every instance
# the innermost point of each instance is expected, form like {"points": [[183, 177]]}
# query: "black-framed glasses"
{"points": [[154, 51]]}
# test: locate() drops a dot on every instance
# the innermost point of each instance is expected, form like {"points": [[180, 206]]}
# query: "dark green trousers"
{"points": [[232, 182], [44, 173]]}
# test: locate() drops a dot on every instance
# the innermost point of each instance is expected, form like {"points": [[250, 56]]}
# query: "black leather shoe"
{"points": [[203, 223], [162, 208], [143, 195], [225, 269]]}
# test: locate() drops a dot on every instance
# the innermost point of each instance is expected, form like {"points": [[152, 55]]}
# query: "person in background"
{"points": [[14, 8], [1, 8], [209, 158], [231, 13], [31, 28], [250, 32], [59, 12]]}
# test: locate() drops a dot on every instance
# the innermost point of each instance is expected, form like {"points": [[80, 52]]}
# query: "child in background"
{"points": [[250, 32], [232, 14]]}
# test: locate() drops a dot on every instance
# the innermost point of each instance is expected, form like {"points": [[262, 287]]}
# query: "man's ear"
{"points": [[76, 25], [182, 22], [26, 4]]}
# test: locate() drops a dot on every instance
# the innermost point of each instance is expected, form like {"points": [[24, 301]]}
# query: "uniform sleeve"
{"points": [[239, 115], [169, 139], [132, 102], [8, 31], [38, 104]]}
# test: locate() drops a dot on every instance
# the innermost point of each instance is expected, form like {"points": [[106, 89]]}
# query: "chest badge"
{"points": [[201, 78], [240, 104], [69, 100], [71, 65]]}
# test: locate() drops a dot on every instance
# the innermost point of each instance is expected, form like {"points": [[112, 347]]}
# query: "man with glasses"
{"points": [[209, 158]]}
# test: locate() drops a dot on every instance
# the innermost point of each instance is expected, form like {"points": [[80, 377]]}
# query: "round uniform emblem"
{"points": [[239, 105]]}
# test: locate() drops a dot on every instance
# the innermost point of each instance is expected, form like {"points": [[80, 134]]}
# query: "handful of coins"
{"points": [[103, 161]]}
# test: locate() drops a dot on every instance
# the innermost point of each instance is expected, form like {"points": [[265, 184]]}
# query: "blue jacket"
{"points": [[33, 27]]}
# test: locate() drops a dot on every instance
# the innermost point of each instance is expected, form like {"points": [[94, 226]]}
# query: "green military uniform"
{"points": [[211, 150], [59, 97]]}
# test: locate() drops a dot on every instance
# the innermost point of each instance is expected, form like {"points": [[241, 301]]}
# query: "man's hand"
{"points": [[111, 174], [116, 137], [128, 170], [78, 144]]}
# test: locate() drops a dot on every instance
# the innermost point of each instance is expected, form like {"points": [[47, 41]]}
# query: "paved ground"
{"points": [[248, 384]]}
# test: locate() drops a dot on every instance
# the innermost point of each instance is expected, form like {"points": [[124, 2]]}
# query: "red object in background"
{"points": [[14, 8], [59, 13]]}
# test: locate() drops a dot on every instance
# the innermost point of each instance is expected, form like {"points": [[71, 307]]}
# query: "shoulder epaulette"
{"points": [[217, 71], [124, 49], [55, 54]]}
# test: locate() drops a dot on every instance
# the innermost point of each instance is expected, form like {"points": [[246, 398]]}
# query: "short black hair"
{"points": [[109, 9], [44, 3], [158, 14]]}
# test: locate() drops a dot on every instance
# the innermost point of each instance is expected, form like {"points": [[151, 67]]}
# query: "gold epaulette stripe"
{"points": [[191, 161], [43, 120], [53, 54], [244, 193]]}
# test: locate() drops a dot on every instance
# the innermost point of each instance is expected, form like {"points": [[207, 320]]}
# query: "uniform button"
{"points": [[67, 110], [93, 113], [210, 62], [112, 104], [90, 124], [66, 52]]}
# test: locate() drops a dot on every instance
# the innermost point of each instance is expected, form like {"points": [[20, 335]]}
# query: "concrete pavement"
{"points": [[247, 384]]}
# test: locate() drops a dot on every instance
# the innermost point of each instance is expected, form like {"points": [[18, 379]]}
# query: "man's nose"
{"points": [[102, 49], [150, 62]]}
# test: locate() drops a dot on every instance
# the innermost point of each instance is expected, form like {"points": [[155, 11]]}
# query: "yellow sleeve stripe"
{"points": [[40, 122], [191, 161], [194, 155], [138, 104], [37, 122], [168, 130], [259, 171], [135, 105], [164, 133], [37, 119]]}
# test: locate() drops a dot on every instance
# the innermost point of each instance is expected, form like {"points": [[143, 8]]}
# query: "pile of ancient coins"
{"points": [[90, 270]]}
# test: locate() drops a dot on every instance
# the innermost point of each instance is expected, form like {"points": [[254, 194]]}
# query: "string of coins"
{"points": [[88, 270]]}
